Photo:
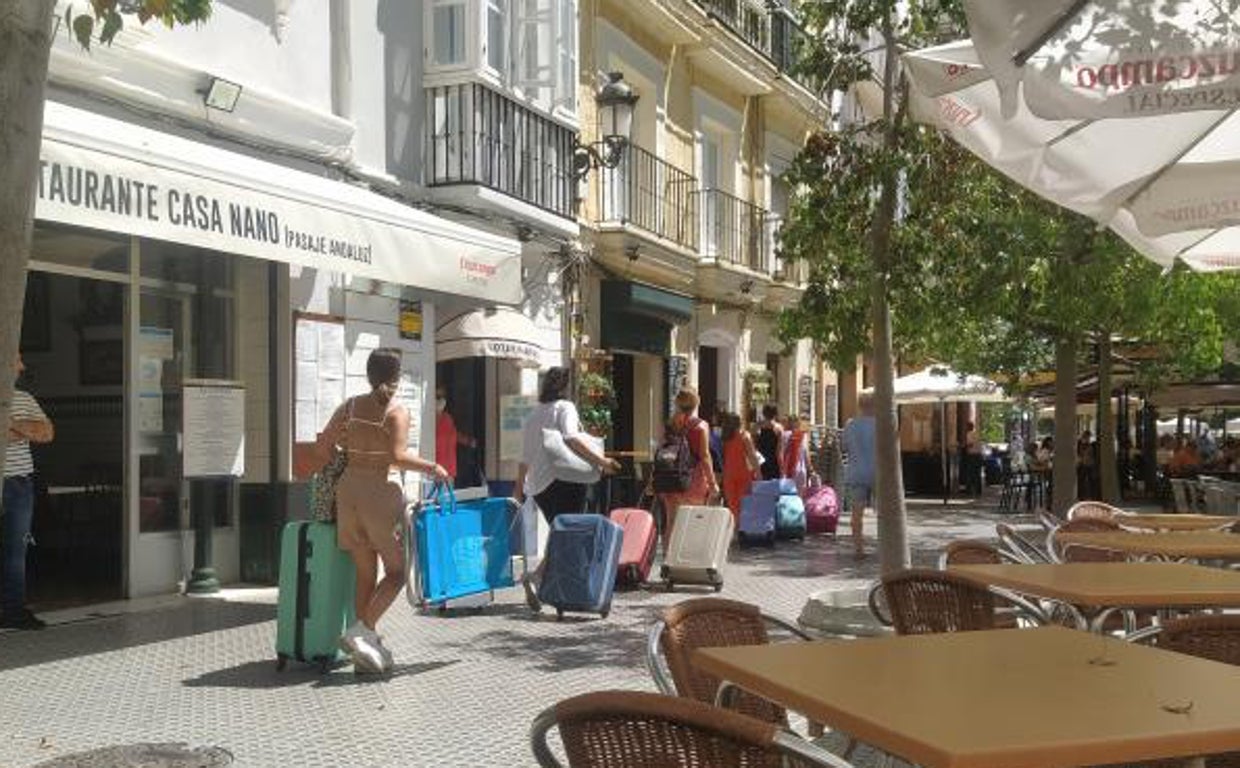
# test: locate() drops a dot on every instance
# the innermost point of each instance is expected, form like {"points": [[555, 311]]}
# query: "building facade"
{"points": [[685, 279]]}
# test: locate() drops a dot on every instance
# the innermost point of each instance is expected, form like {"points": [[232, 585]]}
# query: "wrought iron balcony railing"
{"points": [[651, 194], [479, 136], [768, 26], [734, 230]]}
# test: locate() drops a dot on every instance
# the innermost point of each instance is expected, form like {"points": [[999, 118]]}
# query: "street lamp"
{"points": [[615, 102]]}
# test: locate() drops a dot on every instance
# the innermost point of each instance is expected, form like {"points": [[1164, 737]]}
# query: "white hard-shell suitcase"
{"points": [[698, 546]]}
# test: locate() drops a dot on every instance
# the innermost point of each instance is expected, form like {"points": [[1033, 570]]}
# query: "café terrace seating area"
{"points": [[1106, 637]]}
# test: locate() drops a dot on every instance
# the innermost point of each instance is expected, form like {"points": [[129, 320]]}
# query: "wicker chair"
{"points": [[1214, 637], [1081, 525], [1018, 547], [710, 622], [628, 729], [923, 601], [972, 552]]}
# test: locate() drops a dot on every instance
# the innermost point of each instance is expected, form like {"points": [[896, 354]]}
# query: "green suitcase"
{"points": [[316, 595]]}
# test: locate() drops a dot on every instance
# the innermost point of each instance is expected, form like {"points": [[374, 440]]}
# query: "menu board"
{"points": [[213, 414]]}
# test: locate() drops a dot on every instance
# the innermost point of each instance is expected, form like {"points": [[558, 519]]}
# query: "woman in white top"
{"points": [[535, 476]]}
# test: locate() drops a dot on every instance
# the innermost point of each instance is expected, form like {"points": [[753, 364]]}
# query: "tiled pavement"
{"points": [[466, 687]]}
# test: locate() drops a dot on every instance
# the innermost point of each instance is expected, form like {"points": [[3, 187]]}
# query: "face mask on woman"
{"points": [[441, 404]]}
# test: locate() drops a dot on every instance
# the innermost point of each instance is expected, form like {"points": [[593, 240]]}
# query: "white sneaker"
{"points": [[367, 658], [388, 661]]}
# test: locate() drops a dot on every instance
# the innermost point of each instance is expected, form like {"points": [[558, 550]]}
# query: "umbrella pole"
{"points": [[947, 484]]}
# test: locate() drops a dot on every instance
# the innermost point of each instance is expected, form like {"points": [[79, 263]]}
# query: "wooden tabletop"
{"points": [[1161, 522], [1206, 544], [1019, 698], [1123, 585]]}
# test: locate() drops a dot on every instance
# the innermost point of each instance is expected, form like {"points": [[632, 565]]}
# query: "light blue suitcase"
{"points": [[790, 517], [757, 518], [583, 553]]}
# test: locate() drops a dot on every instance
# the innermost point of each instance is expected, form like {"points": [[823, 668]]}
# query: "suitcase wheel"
{"points": [[604, 613], [281, 662], [325, 664], [719, 587], [670, 585], [770, 539], [559, 614]]}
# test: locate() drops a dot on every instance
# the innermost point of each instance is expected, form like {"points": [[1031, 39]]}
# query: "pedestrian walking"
{"points": [[770, 440], [740, 463], [702, 484], [27, 424], [794, 463], [373, 430], [859, 451], [536, 472]]}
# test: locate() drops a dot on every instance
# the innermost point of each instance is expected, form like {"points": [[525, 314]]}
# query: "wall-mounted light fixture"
{"points": [[221, 94], [615, 101]]}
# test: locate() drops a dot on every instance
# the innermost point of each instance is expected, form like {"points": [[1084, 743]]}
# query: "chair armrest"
{"points": [[788, 627], [542, 724], [1144, 635], [654, 661], [792, 745], [876, 609], [1023, 606]]}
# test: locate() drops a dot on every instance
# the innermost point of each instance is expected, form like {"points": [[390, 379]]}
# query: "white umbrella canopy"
{"points": [[939, 384], [1165, 183]]}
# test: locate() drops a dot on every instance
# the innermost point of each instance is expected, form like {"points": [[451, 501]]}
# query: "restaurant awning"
{"points": [[500, 332], [115, 176], [640, 318]]}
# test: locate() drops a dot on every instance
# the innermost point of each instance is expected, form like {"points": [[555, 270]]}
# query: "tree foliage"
{"points": [[104, 19]]}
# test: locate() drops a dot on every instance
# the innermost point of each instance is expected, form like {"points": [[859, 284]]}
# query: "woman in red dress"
{"points": [[740, 467]]}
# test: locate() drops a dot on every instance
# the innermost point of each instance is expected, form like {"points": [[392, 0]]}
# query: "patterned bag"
{"points": [[323, 488]]}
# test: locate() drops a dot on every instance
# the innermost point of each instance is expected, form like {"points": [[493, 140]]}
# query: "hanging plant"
{"points": [[596, 402]]}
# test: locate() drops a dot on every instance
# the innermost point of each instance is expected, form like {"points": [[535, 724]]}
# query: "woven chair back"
{"points": [[1093, 510], [619, 729], [1209, 637], [711, 622], [971, 553], [927, 602]]}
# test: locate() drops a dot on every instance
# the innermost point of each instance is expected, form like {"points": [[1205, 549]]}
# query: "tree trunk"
{"points": [[888, 477], [25, 45], [1107, 460], [1149, 450], [1064, 472]]}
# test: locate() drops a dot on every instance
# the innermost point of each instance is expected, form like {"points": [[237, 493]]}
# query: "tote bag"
{"points": [[566, 465]]}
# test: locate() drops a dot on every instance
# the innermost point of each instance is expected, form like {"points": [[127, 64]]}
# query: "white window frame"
{"points": [[472, 46], [504, 9]]}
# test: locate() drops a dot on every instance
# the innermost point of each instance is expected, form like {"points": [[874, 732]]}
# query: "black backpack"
{"points": [[674, 461]]}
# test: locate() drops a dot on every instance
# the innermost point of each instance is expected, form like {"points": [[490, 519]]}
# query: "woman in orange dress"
{"points": [[702, 486], [740, 468]]}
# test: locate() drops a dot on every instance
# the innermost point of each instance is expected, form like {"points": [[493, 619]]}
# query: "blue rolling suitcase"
{"points": [[583, 553], [790, 517], [463, 550], [780, 487], [757, 518]]}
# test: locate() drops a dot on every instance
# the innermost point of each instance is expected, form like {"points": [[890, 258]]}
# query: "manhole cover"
{"points": [[144, 756]]}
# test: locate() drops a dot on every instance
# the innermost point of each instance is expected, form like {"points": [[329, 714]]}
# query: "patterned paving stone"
{"points": [[202, 671]]}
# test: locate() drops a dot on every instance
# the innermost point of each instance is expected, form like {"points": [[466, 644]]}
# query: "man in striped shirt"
{"points": [[27, 424]]}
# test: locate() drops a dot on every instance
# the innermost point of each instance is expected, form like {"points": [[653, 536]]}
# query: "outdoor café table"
{"points": [[1011, 698], [1096, 590], [1173, 545], [1186, 522]]}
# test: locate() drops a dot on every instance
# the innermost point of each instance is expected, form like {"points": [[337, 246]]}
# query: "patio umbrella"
{"points": [[1164, 182], [940, 384]]}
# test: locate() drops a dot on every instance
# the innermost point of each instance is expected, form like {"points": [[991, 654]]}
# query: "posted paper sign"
{"points": [[214, 429], [513, 411]]}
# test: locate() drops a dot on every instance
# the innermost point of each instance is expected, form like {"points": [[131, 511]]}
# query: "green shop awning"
{"points": [[639, 318]]}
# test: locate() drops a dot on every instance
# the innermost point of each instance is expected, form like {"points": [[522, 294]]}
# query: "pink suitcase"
{"points": [[822, 510], [637, 549]]}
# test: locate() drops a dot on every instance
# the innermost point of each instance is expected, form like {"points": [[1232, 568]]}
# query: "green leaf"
{"points": [[112, 24], [83, 27]]}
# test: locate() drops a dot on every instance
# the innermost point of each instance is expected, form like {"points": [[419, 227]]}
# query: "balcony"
{"points": [[734, 231], [767, 27], [651, 195], [478, 137]]}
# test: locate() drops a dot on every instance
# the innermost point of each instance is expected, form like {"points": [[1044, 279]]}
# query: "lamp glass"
{"points": [[222, 95]]}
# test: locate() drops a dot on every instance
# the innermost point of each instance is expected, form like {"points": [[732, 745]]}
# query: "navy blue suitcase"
{"points": [[583, 553], [757, 518]]}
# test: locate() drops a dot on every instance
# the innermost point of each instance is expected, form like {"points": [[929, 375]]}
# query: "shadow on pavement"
{"points": [[589, 643], [196, 616], [262, 675]]}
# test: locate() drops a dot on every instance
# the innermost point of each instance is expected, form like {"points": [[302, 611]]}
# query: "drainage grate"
{"points": [[144, 756]]}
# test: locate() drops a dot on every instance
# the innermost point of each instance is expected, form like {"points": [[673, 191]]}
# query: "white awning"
{"points": [[939, 384], [111, 175], [491, 332]]}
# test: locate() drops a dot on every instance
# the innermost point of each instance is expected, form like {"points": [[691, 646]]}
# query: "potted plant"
{"points": [[596, 401]]}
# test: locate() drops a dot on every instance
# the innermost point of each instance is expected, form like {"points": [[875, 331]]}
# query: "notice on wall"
{"points": [[319, 374], [156, 346], [410, 320], [213, 428], [805, 397], [677, 377], [513, 411]]}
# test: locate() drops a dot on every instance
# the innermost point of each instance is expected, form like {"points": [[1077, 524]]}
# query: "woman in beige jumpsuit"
{"points": [[370, 501]]}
